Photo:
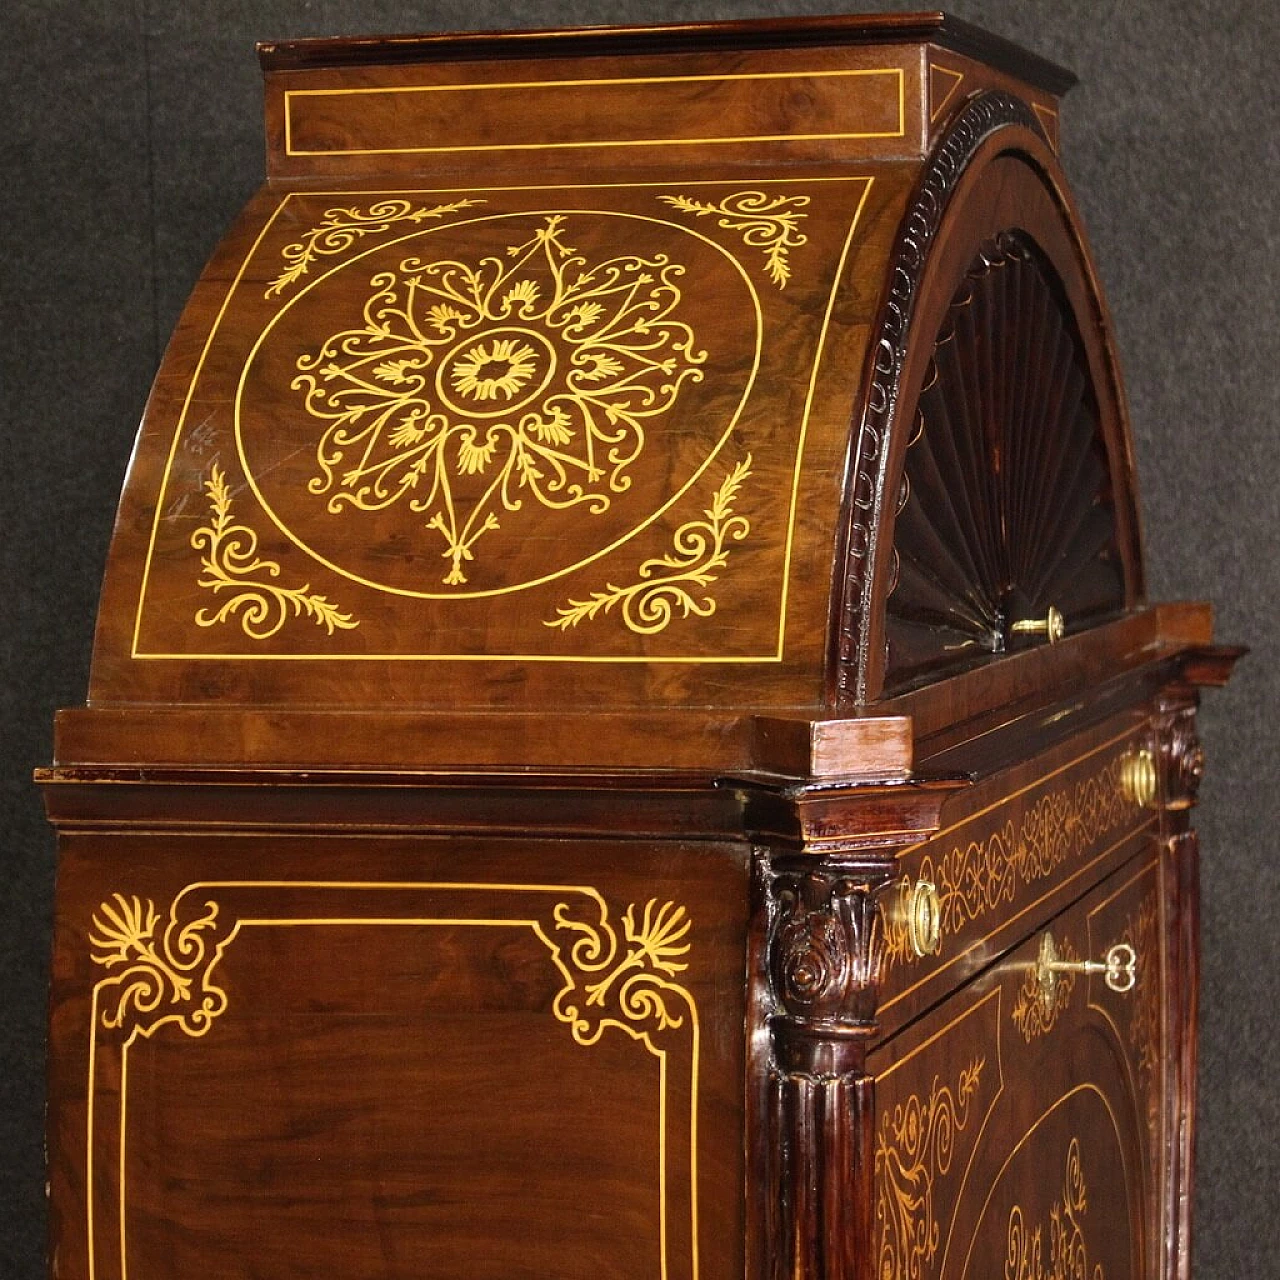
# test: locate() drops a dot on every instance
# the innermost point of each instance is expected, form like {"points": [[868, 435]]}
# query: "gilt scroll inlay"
{"points": [[230, 564], [974, 123], [615, 973], [474, 387], [976, 877], [342, 228], [915, 1144], [624, 985], [769, 223], [666, 584], [1068, 1248]]}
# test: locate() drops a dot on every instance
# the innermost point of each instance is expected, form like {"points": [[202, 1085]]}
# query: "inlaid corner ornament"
{"points": [[472, 387], [769, 223], [1068, 1248], [915, 1144], [231, 567], [666, 584], [342, 228], [158, 974]]}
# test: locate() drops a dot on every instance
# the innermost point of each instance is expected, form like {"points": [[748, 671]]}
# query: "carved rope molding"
{"points": [[976, 122]]}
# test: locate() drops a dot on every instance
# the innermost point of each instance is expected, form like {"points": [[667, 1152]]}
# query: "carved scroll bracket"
{"points": [[827, 855]]}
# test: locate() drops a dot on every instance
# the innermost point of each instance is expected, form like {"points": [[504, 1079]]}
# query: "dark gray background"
{"points": [[131, 135]]}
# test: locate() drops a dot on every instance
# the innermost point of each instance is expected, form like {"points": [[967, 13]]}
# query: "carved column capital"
{"points": [[825, 949], [1179, 751]]}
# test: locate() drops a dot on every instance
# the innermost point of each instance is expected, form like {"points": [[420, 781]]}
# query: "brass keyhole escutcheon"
{"points": [[1118, 967], [1138, 778]]}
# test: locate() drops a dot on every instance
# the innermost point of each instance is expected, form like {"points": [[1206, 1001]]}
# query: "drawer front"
{"points": [[1020, 1127], [400, 1058], [1029, 841]]}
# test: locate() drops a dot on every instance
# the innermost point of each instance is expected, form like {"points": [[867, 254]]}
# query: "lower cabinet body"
{"points": [[377, 1057]]}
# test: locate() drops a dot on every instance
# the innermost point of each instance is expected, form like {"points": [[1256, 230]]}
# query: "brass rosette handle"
{"points": [[1138, 779], [1118, 967]]}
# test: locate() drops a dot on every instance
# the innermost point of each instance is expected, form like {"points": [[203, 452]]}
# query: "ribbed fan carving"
{"points": [[1006, 507]]}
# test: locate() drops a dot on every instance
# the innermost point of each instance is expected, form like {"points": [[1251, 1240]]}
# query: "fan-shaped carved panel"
{"points": [[1006, 508]]}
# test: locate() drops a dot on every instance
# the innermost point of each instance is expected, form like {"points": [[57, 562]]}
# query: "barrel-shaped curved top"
{"points": [[545, 385]]}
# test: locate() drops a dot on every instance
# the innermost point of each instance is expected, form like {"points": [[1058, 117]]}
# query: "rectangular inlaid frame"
{"points": [[619, 977], [774, 655]]}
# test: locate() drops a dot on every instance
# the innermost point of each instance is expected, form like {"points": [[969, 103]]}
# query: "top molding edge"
{"points": [[762, 33]]}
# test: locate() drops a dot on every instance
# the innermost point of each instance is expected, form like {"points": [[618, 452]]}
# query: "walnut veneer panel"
{"points": [[281, 1056]]}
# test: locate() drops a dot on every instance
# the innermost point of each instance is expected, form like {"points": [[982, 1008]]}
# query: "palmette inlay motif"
{"points": [[975, 878], [472, 388], [230, 563], [768, 223], [1068, 1248], [700, 549], [159, 975], [915, 1144], [342, 228], [160, 971]]}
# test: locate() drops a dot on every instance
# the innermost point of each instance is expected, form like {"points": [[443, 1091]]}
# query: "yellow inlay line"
{"points": [[1088, 1087], [1054, 887], [808, 406], [291, 94]]}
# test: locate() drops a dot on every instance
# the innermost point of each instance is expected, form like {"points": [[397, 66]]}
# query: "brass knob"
{"points": [[1119, 968], [924, 919], [1138, 778], [1051, 626]]}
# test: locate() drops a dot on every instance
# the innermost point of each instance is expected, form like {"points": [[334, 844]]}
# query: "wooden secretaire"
{"points": [[626, 738]]}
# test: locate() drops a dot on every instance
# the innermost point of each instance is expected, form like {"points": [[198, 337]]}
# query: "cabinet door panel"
{"points": [[1020, 1125]]}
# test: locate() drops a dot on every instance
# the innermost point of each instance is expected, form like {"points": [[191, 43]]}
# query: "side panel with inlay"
{"points": [[397, 1058]]}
